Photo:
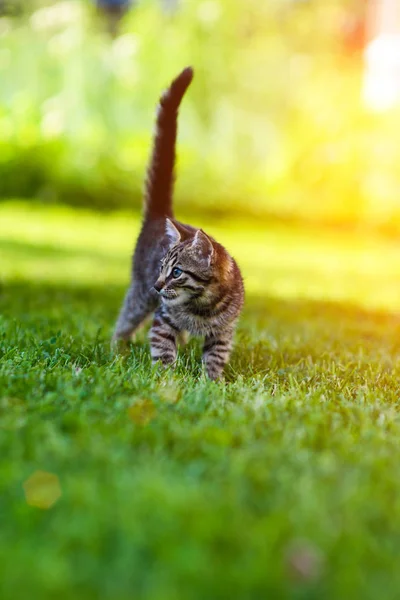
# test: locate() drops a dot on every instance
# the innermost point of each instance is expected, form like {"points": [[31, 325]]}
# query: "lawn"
{"points": [[118, 481]]}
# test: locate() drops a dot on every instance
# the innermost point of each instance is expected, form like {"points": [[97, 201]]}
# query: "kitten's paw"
{"points": [[215, 375], [119, 345], [163, 364], [183, 338]]}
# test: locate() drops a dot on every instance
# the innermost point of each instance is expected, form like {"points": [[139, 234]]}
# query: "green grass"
{"points": [[282, 482]]}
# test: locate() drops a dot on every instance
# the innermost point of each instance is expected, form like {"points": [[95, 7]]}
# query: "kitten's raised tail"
{"points": [[160, 173]]}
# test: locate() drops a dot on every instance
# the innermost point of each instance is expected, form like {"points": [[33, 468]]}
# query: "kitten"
{"points": [[198, 288]]}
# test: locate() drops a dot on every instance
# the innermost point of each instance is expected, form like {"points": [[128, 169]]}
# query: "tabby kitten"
{"points": [[198, 288]]}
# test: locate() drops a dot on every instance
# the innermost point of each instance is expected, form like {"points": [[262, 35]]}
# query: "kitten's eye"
{"points": [[176, 273]]}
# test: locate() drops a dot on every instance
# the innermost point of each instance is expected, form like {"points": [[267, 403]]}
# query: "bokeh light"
{"points": [[42, 490]]}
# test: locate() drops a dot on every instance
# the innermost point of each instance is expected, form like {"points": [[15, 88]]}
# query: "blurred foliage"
{"points": [[273, 124]]}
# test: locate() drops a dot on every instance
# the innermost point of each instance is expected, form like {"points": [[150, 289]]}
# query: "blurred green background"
{"points": [[273, 127]]}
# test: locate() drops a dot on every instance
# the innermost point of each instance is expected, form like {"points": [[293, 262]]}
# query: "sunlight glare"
{"points": [[382, 77]]}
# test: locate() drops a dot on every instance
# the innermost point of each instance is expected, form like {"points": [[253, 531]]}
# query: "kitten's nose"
{"points": [[158, 286]]}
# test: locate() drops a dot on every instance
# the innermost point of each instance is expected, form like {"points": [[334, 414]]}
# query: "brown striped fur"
{"points": [[182, 275]]}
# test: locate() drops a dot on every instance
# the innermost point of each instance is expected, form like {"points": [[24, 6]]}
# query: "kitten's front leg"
{"points": [[163, 340], [216, 351]]}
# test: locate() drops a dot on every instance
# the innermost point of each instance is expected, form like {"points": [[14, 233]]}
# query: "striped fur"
{"points": [[179, 273]]}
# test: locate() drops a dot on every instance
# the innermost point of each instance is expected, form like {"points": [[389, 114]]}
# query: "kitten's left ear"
{"points": [[203, 246], [172, 232]]}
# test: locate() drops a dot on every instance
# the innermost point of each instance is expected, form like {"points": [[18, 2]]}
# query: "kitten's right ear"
{"points": [[172, 233]]}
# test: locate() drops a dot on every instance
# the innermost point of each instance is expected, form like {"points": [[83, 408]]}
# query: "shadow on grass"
{"points": [[273, 334]]}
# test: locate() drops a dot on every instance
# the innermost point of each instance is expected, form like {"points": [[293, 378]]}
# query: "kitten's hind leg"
{"points": [[133, 313], [163, 337]]}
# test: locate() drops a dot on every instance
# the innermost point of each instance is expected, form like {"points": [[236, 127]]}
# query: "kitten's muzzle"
{"points": [[158, 286], [159, 292], [163, 290]]}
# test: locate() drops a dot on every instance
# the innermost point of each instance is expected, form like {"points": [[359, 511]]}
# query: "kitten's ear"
{"points": [[172, 233], [203, 246]]}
